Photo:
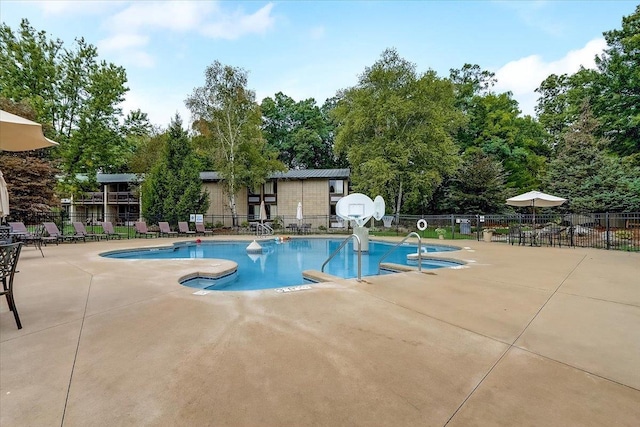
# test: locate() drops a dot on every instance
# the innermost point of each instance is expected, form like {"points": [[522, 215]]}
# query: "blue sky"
{"points": [[314, 48]]}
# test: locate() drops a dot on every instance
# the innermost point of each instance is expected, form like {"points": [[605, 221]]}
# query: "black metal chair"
{"points": [[5, 234], [516, 234], [9, 255]]}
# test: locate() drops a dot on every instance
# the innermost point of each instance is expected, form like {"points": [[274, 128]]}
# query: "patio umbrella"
{"points": [[263, 212], [535, 199], [299, 212], [4, 198], [18, 134]]}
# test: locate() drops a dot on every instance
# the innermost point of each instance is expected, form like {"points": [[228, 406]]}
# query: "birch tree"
{"points": [[228, 122]]}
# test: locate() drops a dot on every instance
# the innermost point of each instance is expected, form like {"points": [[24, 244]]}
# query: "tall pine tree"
{"points": [[591, 179], [173, 189]]}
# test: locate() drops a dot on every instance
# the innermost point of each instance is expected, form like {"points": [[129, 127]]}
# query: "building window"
{"points": [[270, 187], [336, 186]]}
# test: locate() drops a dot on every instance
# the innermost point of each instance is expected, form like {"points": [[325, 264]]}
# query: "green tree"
{"points": [[299, 131], [587, 176], [396, 127], [617, 87], [494, 125], [75, 96], [553, 107], [613, 91], [145, 141], [229, 121], [478, 186], [173, 189]]}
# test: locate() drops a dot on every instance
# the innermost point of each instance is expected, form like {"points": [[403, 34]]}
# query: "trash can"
{"points": [[465, 226]]}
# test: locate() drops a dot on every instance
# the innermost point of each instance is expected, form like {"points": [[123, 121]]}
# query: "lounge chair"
{"points": [[142, 230], [165, 230], [9, 255], [183, 226], [21, 233], [55, 235], [200, 229], [107, 228], [82, 232], [19, 229]]}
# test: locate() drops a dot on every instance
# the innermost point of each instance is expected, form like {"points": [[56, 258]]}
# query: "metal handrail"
{"points": [[334, 253], [413, 233], [263, 229]]}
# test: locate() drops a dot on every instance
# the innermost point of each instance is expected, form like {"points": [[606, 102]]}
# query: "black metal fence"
{"points": [[618, 231]]}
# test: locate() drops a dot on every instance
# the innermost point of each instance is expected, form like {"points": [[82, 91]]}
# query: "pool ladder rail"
{"points": [[263, 229], [334, 253], [413, 233]]}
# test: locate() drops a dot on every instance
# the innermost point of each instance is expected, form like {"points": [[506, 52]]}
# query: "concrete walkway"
{"points": [[520, 336]]}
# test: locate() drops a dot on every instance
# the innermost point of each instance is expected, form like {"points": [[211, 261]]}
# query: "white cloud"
{"points": [[122, 41], [168, 15], [128, 50], [237, 24], [160, 106], [131, 29], [523, 76]]}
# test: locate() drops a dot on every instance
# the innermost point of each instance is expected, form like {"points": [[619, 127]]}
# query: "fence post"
{"points": [[606, 218], [453, 226]]}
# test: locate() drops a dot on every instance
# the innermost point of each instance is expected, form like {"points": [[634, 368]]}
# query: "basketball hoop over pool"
{"points": [[359, 208]]}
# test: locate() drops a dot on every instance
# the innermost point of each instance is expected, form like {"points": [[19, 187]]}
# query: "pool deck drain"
{"points": [[524, 336]]}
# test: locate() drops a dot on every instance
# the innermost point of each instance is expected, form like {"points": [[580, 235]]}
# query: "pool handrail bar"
{"points": [[413, 233], [263, 229], [334, 253]]}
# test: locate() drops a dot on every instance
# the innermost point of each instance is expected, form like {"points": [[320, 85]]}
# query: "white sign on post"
{"points": [[192, 217], [199, 218]]}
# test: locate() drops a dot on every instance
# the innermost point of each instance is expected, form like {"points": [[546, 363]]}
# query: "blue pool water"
{"points": [[281, 264]]}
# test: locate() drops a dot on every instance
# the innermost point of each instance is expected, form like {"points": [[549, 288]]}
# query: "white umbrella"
{"points": [[299, 212], [263, 212], [4, 197], [18, 134], [535, 199]]}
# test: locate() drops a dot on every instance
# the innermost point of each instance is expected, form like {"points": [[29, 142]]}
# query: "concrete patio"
{"points": [[521, 336]]}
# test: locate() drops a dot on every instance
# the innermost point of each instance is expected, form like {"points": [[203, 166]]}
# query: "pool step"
{"points": [[319, 276], [400, 268]]}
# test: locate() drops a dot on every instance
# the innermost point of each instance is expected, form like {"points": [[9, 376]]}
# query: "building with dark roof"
{"points": [[317, 189]]}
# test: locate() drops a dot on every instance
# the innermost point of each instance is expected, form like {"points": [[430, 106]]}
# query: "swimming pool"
{"points": [[282, 264]]}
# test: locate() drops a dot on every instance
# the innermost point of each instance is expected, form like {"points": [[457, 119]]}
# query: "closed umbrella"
{"points": [[299, 212], [263, 212], [4, 198], [18, 134], [535, 199]]}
